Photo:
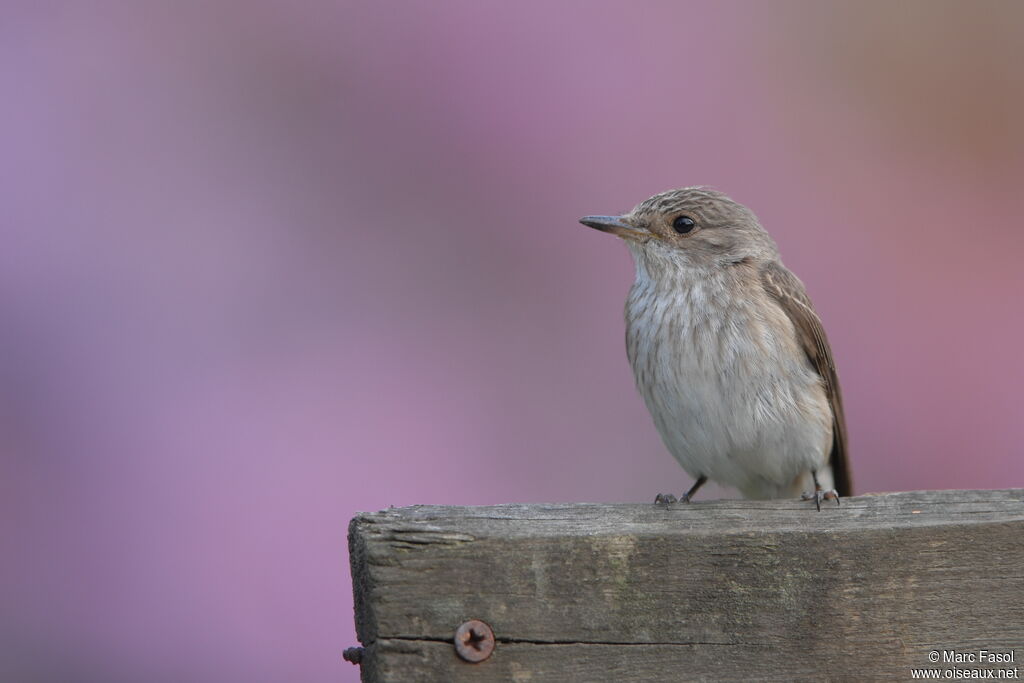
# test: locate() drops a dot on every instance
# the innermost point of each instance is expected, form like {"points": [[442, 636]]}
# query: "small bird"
{"points": [[727, 351]]}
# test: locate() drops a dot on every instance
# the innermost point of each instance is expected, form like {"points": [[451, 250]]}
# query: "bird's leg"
{"points": [[701, 480], [668, 499], [819, 494]]}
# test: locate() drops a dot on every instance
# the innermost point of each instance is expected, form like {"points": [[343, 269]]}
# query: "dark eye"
{"points": [[683, 224]]}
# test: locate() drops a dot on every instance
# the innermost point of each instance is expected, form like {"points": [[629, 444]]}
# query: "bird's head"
{"points": [[690, 227]]}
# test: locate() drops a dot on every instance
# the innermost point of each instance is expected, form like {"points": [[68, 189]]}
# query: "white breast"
{"points": [[731, 393]]}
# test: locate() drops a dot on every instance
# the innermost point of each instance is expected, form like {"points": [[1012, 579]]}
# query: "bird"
{"points": [[728, 353]]}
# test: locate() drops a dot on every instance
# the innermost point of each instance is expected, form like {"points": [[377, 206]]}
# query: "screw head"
{"points": [[474, 641]]}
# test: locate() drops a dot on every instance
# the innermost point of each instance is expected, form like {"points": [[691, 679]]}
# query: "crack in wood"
{"points": [[610, 643]]}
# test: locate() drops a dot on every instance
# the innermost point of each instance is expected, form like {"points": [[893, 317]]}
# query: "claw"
{"points": [[664, 499], [667, 499], [820, 495]]}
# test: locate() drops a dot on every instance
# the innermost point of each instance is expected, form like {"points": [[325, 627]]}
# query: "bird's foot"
{"points": [[820, 495], [664, 500]]}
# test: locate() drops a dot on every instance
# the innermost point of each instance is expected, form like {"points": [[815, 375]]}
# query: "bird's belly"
{"points": [[749, 415]]}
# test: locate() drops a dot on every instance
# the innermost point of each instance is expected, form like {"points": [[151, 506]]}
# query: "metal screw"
{"points": [[474, 641]]}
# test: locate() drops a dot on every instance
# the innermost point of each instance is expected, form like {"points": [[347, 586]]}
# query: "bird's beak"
{"points": [[613, 224]]}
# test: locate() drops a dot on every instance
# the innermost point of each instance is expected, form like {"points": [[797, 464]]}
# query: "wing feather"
{"points": [[787, 290]]}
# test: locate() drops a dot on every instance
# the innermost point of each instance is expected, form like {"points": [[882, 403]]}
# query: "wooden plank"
{"points": [[717, 590]]}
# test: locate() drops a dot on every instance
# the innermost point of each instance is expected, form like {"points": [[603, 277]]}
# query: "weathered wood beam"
{"points": [[716, 590]]}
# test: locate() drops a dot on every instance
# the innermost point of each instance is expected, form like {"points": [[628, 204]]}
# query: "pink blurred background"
{"points": [[265, 265]]}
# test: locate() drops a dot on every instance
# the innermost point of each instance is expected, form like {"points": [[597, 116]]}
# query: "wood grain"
{"points": [[719, 590]]}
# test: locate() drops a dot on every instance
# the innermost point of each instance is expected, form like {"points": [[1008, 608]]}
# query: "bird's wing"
{"points": [[789, 293]]}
